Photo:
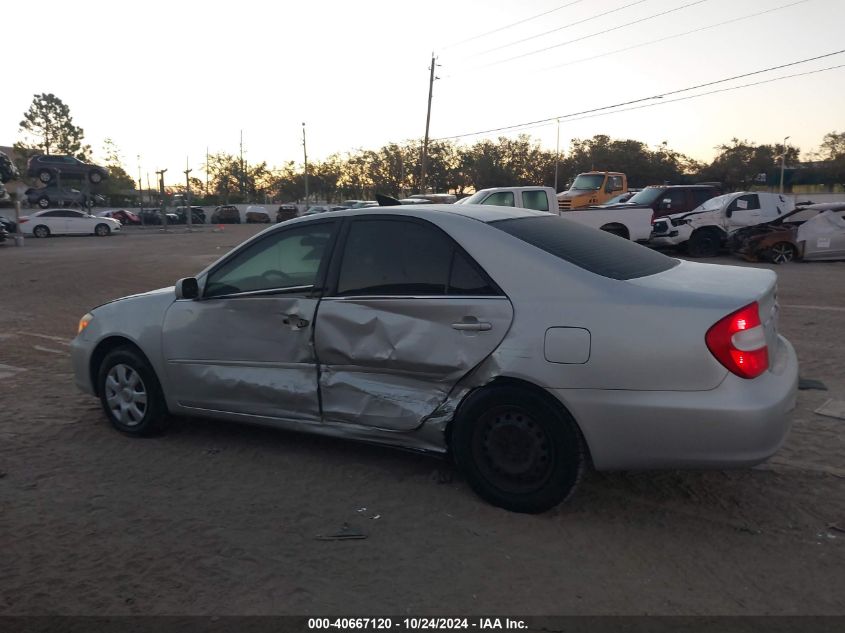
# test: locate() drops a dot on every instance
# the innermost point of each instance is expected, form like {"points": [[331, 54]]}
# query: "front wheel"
{"points": [[95, 177], [43, 202], [41, 231], [782, 253], [704, 243], [516, 450], [130, 393], [45, 175], [102, 230]]}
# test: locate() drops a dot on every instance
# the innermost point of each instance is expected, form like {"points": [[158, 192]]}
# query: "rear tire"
{"points": [[45, 176], [616, 229], [41, 231], [704, 243], [95, 177], [43, 202], [517, 451], [130, 393], [782, 253]]}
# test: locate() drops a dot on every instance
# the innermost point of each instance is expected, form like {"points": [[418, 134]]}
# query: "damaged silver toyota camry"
{"points": [[521, 343]]}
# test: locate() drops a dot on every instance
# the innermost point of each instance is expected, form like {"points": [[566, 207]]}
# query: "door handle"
{"points": [[295, 321], [473, 325]]}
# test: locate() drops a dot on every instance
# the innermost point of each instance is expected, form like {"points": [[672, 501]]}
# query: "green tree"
{"points": [[48, 127]]}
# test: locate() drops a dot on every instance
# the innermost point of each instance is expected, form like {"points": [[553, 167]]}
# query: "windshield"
{"points": [[475, 198], [647, 195], [588, 182], [714, 203]]}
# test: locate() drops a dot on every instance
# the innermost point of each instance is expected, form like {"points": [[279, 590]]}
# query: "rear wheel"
{"points": [[95, 177], [45, 175], [101, 230], [616, 229], [130, 393], [41, 231], [782, 253], [704, 243], [43, 202], [517, 451]]}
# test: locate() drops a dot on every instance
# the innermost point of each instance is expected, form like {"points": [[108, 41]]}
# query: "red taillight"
{"points": [[23, 220], [739, 342]]}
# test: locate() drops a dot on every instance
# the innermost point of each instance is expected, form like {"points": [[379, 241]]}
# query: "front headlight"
{"points": [[84, 321]]}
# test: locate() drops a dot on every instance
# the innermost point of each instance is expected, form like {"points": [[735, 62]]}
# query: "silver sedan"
{"points": [[524, 345]]}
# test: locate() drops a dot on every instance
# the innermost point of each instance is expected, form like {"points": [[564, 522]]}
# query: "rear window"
{"points": [[597, 251]]}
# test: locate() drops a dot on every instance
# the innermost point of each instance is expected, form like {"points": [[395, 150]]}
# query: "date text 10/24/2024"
{"points": [[416, 623]]}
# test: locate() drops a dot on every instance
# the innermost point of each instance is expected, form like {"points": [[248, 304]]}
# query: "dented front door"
{"points": [[245, 346]]}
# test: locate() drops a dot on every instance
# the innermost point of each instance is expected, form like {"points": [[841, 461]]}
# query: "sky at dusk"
{"points": [[166, 80]]}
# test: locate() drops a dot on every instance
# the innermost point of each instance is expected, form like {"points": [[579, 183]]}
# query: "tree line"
{"points": [[394, 169]]}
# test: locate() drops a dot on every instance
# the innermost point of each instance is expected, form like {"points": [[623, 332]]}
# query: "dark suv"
{"points": [[46, 197], [669, 199], [47, 166], [226, 214]]}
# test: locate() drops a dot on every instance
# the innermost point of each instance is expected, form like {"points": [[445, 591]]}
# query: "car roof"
{"points": [[480, 212]]}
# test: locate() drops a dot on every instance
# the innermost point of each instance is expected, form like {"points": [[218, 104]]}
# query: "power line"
{"points": [[585, 37], [507, 26], [676, 35], [560, 28], [640, 100]]}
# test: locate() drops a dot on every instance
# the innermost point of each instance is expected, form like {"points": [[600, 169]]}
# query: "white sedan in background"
{"points": [[66, 222]]}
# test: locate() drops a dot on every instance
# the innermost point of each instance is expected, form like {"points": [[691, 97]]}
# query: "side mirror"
{"points": [[187, 288]]}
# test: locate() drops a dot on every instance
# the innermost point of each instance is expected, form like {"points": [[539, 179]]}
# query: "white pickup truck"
{"points": [[632, 224]]}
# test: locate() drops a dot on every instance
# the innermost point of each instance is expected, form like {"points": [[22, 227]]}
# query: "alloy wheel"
{"points": [[126, 395]]}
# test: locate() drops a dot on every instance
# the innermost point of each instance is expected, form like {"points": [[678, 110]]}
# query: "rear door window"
{"points": [[537, 200]]}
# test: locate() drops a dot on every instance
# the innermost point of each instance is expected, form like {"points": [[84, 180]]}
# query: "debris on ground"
{"points": [[805, 384], [345, 533], [832, 409]]}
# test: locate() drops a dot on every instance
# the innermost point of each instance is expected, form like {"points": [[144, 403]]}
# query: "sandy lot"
{"points": [[214, 518]]}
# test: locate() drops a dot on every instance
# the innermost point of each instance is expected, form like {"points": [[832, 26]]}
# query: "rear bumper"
{"points": [[739, 423]]}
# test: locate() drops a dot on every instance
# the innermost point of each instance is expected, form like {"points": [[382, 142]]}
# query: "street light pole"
{"points": [[424, 162], [557, 153], [188, 210], [160, 174], [783, 161], [305, 155]]}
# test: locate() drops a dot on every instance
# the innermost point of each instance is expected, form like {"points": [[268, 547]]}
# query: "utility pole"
{"points": [[424, 162], [140, 193], [160, 174], [783, 161], [305, 154], [188, 210], [557, 153], [206, 173], [242, 163]]}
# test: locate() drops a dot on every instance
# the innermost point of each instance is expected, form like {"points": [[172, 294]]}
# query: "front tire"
{"points": [[95, 177], [782, 253], [41, 231], [102, 230], [45, 176], [704, 243], [517, 451], [130, 393]]}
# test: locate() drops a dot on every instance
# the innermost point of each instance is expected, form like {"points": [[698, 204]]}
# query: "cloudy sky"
{"points": [[165, 80]]}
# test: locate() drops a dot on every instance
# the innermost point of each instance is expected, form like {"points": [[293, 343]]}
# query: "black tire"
{"points": [[102, 230], [41, 231], [153, 416], [43, 202], [517, 450], [95, 177], [704, 243], [781, 253], [45, 176]]}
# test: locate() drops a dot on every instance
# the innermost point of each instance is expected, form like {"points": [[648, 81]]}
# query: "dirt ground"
{"points": [[216, 518]]}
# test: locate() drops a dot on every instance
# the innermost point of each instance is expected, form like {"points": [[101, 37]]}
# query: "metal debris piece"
{"points": [[832, 409], [346, 532], [811, 383]]}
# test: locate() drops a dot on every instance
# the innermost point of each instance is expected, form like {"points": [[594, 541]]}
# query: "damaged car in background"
{"points": [[523, 345], [813, 232], [705, 230]]}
